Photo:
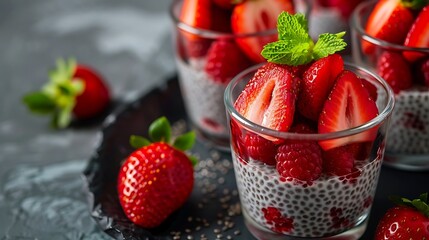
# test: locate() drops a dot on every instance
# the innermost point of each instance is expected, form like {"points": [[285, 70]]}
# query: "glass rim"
{"points": [[356, 25], [384, 114], [207, 33]]}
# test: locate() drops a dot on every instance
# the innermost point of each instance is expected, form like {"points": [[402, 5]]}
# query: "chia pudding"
{"points": [[328, 206]]}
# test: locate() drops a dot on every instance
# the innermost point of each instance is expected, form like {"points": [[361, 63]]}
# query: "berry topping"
{"points": [[338, 161], [395, 70], [301, 160], [260, 148], [418, 35], [269, 97], [348, 105]]}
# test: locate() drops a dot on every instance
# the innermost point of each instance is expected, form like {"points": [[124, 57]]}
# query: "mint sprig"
{"points": [[295, 46], [160, 131]]}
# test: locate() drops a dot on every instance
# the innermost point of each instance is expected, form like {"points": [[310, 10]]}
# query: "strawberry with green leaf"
{"points": [[157, 178], [74, 90], [409, 219]]}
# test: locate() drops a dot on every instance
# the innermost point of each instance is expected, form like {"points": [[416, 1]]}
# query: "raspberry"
{"points": [[260, 148], [300, 160], [338, 161]]}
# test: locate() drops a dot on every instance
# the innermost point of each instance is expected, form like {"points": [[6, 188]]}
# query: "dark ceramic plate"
{"points": [[212, 211]]}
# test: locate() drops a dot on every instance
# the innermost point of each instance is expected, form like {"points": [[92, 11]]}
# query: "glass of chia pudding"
{"points": [[400, 55], [301, 183], [213, 43]]}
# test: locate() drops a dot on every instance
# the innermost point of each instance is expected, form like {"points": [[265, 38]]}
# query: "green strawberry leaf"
{"points": [[160, 130], [139, 141], [295, 46], [185, 141], [39, 102], [420, 204], [193, 160]]}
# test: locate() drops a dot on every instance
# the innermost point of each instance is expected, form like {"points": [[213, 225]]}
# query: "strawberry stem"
{"points": [[420, 204]]}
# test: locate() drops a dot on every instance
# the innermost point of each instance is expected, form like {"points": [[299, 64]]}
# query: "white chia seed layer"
{"points": [[203, 97], [410, 121], [328, 206]]}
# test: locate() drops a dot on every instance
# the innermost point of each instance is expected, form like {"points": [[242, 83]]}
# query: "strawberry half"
{"points": [[408, 220], [390, 21], [257, 16], [74, 90], [317, 82], [418, 35], [225, 60], [156, 179], [269, 97], [198, 14], [349, 105]]}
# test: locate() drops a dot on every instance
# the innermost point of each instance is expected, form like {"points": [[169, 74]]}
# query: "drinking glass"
{"points": [[330, 207], [408, 143]]}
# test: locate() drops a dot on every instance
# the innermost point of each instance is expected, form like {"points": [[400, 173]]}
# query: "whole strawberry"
{"points": [[74, 90], [157, 178], [408, 220]]}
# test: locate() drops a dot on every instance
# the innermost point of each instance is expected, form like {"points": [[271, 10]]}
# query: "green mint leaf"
{"points": [[139, 141], [328, 44], [160, 130], [185, 141], [293, 27], [288, 52], [39, 102]]}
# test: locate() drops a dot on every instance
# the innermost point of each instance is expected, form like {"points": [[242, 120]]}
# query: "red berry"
{"points": [[388, 21], [422, 72], [338, 161], [418, 35], [260, 148], [348, 105], [153, 182], [95, 98], [269, 97], [317, 82], [403, 223], [257, 16], [225, 60], [395, 70], [300, 160]]}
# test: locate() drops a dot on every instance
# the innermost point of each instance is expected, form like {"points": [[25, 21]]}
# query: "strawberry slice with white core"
{"points": [[349, 105], [257, 16], [269, 97], [418, 36]]}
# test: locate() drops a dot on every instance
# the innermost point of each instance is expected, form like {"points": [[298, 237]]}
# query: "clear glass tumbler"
{"points": [[330, 207], [408, 144], [201, 87]]}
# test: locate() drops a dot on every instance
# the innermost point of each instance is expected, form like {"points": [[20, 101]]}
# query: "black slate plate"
{"points": [[212, 211]]}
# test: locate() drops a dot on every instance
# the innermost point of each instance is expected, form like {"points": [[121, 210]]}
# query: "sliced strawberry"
{"points": [[395, 70], [317, 82], [388, 21], [226, 4], [225, 60], [195, 13], [418, 35], [237, 142], [260, 148], [348, 105], [257, 16], [269, 97]]}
